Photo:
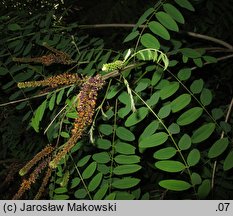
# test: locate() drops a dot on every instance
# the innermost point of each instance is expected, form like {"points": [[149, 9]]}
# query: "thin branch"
{"points": [[209, 38], [192, 34]]}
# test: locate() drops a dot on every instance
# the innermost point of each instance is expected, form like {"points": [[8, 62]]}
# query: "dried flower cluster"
{"points": [[26, 184], [85, 108]]}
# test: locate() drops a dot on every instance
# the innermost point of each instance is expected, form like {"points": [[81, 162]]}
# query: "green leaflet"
{"points": [[127, 159], [189, 116], [185, 4], [101, 157], [218, 148], [170, 166], [190, 53], [126, 169], [124, 183], [61, 197], [197, 86], [165, 153], [60, 190], [131, 36], [180, 102], [174, 13], [169, 90], [167, 21], [203, 133], [106, 129], [95, 182], [136, 117], [193, 157], [159, 30], [103, 143], [196, 178], [204, 189], [206, 97], [38, 116], [153, 140], [89, 171], [184, 142], [80, 193], [59, 96], [83, 161], [124, 148], [52, 101], [75, 182], [150, 129], [125, 134], [149, 41], [101, 192], [228, 162], [184, 74], [175, 185]]}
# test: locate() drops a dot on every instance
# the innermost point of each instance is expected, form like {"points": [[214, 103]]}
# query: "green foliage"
{"points": [[156, 126]]}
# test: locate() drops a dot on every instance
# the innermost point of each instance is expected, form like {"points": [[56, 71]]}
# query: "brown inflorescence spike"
{"points": [[85, 108], [26, 184], [43, 185], [54, 81], [42, 154]]}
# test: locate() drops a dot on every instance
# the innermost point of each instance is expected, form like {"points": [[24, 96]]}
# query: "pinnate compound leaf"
{"points": [[218, 148], [136, 117], [175, 185], [189, 116], [165, 153], [203, 133], [228, 162], [149, 41], [193, 157], [126, 169], [125, 134], [125, 183], [159, 30], [180, 102], [185, 4], [153, 140], [167, 21], [174, 13], [170, 166]]}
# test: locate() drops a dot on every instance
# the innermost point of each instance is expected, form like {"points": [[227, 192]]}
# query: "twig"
{"points": [[209, 38]]}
